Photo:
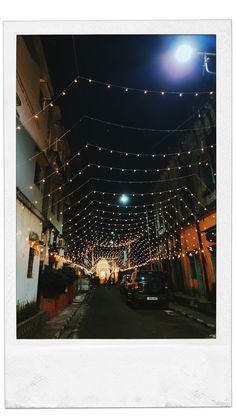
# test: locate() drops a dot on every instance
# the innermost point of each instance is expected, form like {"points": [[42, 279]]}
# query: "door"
{"points": [[201, 289]]}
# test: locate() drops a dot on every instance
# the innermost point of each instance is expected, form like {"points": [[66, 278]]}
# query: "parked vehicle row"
{"points": [[144, 287]]}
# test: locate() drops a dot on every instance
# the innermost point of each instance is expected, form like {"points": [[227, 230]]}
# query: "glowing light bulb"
{"points": [[184, 53]]}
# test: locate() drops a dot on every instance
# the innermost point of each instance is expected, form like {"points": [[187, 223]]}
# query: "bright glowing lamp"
{"points": [[124, 199], [184, 53]]}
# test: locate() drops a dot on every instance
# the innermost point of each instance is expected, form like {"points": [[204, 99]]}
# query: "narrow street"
{"points": [[107, 316], [116, 184]]}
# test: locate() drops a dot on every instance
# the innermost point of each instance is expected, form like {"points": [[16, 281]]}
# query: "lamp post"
{"points": [[185, 52]]}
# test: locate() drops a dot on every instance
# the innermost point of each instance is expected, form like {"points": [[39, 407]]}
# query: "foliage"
{"points": [[53, 282], [25, 311], [69, 273]]}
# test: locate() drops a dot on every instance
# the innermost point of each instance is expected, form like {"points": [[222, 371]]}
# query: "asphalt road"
{"points": [[107, 316]]}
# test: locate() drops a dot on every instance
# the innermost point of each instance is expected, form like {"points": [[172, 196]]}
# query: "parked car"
{"points": [[125, 283], [148, 287]]}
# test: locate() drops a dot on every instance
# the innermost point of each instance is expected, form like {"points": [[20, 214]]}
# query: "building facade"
{"points": [[186, 227], [41, 170]]}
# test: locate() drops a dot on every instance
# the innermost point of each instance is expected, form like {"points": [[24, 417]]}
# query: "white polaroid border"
{"points": [[121, 373]]}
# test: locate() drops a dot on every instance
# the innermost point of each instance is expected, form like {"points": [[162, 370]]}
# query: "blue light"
{"points": [[124, 199], [184, 53]]}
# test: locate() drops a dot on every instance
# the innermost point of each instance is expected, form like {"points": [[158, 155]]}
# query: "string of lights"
{"points": [[108, 204], [165, 207], [126, 154], [126, 88], [50, 104], [77, 78], [136, 206], [140, 194], [177, 212]]}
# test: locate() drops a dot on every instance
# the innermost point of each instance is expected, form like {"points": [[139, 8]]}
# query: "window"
{"points": [[30, 263]]}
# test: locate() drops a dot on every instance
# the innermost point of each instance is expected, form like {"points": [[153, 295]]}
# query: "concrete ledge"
{"points": [[25, 329], [198, 304]]}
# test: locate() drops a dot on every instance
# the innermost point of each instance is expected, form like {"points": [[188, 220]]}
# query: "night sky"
{"points": [[129, 60], [138, 61]]}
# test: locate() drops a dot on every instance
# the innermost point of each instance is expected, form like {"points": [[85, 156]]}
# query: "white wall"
{"points": [[25, 168], [26, 221]]}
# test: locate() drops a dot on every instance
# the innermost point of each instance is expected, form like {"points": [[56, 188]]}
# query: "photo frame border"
{"points": [[121, 373]]}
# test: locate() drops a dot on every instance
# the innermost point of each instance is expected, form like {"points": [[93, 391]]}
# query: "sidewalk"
{"points": [[200, 304], [54, 328], [202, 318]]}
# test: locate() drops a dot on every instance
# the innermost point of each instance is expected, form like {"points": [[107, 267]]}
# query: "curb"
{"points": [[62, 329], [196, 319]]}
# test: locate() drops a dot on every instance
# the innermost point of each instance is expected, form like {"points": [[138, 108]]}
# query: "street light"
{"points": [[124, 199], [184, 53]]}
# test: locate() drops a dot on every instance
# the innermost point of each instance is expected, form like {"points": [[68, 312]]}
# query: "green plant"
{"points": [[69, 273], [52, 282], [25, 311]]}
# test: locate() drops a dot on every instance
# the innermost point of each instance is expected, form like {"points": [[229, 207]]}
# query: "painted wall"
{"points": [[26, 222], [190, 244]]}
